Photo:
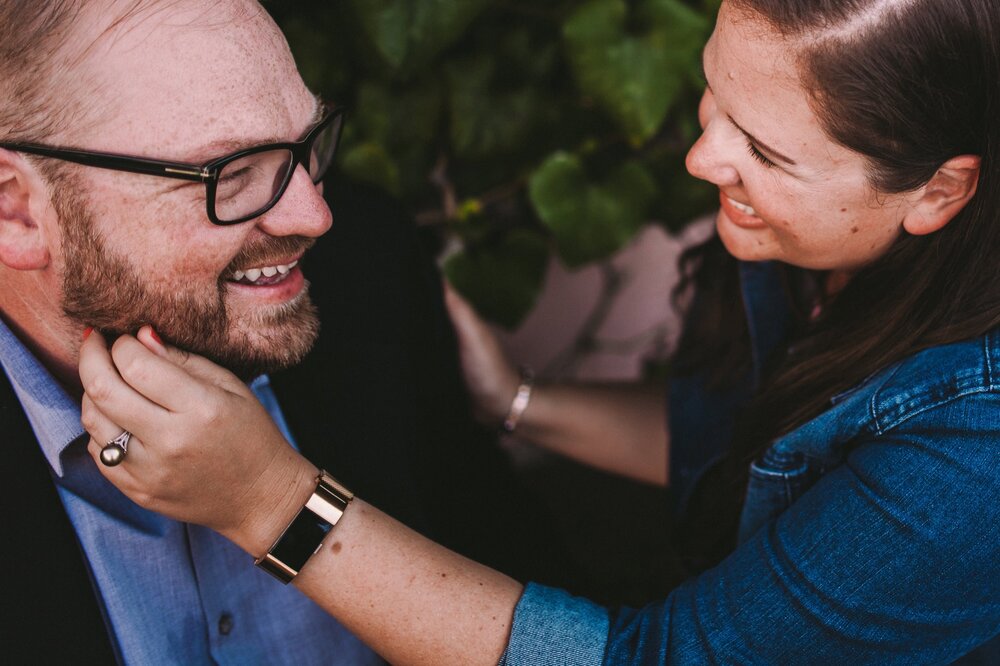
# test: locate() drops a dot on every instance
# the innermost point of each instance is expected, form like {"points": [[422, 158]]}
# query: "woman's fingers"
{"points": [[491, 379], [191, 436], [112, 394], [177, 380], [197, 366], [103, 430]]}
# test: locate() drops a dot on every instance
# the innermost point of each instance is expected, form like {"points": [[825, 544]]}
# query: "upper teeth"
{"points": [[253, 274], [743, 208]]}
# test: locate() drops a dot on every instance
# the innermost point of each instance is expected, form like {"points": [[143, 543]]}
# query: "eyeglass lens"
{"points": [[251, 184]]}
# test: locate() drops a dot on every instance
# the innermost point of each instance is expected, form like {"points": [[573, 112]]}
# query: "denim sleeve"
{"points": [[552, 628], [891, 558]]}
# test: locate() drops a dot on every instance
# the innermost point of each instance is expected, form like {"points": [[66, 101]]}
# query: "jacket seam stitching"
{"points": [[989, 360], [916, 412], [875, 394]]}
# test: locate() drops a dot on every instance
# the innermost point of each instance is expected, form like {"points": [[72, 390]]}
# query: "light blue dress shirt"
{"points": [[172, 593]]}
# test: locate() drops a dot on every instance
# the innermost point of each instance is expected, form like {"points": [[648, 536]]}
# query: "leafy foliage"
{"points": [[516, 130], [504, 277], [635, 75], [590, 220]]}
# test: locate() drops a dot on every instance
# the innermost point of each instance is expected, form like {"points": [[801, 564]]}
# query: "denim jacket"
{"points": [[869, 535]]}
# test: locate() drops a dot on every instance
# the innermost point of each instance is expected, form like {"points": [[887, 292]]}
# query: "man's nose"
{"points": [[301, 211]]}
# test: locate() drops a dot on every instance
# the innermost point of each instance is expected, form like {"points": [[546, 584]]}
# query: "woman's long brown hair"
{"points": [[910, 85]]}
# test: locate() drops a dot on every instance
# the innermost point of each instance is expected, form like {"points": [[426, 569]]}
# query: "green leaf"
{"points": [[590, 221], [410, 33], [501, 280], [386, 136], [321, 56], [635, 73], [370, 163], [398, 117], [485, 122]]}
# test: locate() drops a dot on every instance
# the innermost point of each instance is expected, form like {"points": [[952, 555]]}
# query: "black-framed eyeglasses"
{"points": [[239, 186]]}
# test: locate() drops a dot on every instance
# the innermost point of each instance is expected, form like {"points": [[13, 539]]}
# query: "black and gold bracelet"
{"points": [[305, 534]]}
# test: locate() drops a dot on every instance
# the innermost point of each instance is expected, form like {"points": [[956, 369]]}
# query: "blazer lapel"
{"points": [[50, 612]]}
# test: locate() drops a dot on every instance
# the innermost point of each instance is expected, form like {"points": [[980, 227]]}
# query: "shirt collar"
{"points": [[53, 414]]}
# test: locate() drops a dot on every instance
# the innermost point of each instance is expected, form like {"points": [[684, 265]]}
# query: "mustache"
{"points": [[270, 251]]}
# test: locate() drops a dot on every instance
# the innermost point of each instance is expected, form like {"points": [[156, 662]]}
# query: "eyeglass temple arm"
{"points": [[116, 162]]}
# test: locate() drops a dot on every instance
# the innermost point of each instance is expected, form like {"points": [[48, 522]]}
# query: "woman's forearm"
{"points": [[411, 600], [620, 428]]}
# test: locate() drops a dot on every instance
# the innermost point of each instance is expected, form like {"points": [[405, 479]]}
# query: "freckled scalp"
{"points": [[44, 43]]}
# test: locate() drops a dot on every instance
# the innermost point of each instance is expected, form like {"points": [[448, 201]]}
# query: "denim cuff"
{"points": [[553, 628]]}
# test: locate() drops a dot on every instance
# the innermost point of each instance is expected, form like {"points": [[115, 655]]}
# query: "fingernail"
{"points": [[86, 332]]}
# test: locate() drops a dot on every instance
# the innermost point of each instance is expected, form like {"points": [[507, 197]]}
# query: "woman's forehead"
{"points": [[754, 74]]}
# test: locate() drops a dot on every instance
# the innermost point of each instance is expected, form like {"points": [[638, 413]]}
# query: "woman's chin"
{"points": [[743, 243]]}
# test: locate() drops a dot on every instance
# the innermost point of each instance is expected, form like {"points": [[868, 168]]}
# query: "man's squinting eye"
{"points": [[759, 156], [234, 175]]}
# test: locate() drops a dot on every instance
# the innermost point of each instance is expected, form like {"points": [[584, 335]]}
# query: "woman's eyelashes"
{"points": [[759, 156]]}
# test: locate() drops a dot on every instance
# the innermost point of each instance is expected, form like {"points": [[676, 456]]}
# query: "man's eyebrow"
{"points": [[215, 149], [763, 147]]}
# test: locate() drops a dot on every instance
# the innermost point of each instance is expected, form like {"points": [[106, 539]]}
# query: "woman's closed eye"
{"points": [[759, 156]]}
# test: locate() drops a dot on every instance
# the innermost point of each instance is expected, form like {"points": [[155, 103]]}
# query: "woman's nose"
{"points": [[709, 158], [706, 161]]}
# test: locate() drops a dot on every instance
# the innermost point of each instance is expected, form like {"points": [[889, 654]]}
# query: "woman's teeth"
{"points": [[252, 275], [743, 208]]}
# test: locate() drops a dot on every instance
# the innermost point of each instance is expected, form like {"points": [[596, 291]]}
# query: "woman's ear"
{"points": [[941, 199], [23, 243]]}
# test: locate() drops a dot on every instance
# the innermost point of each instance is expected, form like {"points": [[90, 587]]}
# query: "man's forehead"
{"points": [[181, 80]]}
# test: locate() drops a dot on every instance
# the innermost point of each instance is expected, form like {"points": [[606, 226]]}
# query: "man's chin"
{"points": [[279, 348], [271, 349], [249, 369]]}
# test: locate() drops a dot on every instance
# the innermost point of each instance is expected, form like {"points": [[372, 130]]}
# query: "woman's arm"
{"points": [[890, 558], [620, 428], [414, 601], [410, 599]]}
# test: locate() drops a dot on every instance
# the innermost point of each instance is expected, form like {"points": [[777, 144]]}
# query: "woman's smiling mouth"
{"points": [[740, 214]]}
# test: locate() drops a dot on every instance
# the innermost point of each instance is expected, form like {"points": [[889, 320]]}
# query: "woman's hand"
{"points": [[491, 379], [203, 449]]}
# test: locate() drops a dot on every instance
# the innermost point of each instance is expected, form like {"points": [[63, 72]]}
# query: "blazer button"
{"points": [[225, 624]]}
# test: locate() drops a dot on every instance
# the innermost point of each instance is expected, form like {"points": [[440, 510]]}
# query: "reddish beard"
{"points": [[102, 290]]}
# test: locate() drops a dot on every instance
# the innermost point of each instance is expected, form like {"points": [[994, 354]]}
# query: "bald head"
{"points": [[51, 49], [177, 80]]}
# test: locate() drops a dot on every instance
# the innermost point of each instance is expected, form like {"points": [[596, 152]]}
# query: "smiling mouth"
{"points": [[263, 276], [743, 208]]}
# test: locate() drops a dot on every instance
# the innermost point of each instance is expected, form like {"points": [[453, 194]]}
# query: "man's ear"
{"points": [[23, 244], [947, 193]]}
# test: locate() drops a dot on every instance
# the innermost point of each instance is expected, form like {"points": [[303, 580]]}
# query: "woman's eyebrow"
{"points": [[771, 152], [763, 147]]}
